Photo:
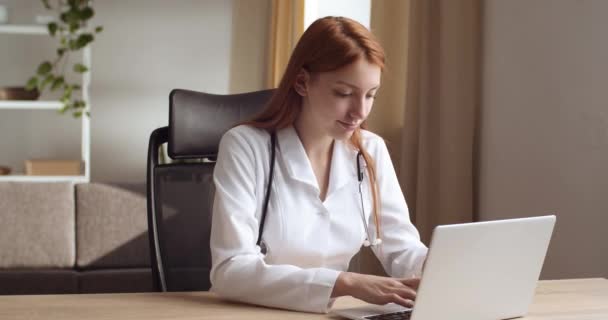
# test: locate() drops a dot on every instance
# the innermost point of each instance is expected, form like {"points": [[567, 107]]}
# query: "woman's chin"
{"points": [[343, 134]]}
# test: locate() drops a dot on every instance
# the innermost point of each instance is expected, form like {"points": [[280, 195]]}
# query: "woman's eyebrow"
{"points": [[354, 86]]}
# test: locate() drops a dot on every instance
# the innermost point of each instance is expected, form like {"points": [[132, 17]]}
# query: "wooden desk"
{"points": [[582, 299]]}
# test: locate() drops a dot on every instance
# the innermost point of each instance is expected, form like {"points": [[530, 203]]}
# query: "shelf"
{"points": [[23, 178], [37, 105], [24, 29], [25, 104]]}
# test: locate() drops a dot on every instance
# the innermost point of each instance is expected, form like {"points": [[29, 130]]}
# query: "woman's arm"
{"points": [[239, 271]]}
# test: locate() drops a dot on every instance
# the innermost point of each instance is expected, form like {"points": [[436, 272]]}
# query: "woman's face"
{"points": [[336, 103]]}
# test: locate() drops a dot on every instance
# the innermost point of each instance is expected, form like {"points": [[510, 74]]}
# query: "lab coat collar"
{"points": [[343, 164]]}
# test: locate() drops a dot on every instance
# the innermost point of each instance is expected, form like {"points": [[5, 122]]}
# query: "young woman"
{"points": [[334, 187]]}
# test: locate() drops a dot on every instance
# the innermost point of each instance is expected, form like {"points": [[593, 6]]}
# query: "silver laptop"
{"points": [[475, 271]]}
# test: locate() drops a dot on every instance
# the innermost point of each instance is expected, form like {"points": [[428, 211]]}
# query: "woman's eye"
{"points": [[342, 94], [371, 96]]}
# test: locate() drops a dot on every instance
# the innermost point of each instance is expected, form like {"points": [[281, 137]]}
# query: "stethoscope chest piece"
{"points": [[263, 247]]}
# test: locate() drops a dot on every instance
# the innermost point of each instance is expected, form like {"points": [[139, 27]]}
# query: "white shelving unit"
{"points": [[54, 105], [30, 105], [23, 29]]}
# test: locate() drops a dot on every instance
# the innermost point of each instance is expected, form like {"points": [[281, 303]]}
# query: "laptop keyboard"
{"points": [[400, 315]]}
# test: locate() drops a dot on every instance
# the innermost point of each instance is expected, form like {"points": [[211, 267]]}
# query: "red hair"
{"points": [[328, 44]]}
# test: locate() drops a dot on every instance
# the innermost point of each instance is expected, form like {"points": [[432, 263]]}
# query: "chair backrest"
{"points": [[180, 193]]}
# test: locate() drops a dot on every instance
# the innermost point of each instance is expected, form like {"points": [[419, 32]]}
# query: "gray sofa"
{"points": [[66, 238]]}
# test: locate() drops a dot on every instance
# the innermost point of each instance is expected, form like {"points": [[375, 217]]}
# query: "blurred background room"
{"points": [[491, 109]]}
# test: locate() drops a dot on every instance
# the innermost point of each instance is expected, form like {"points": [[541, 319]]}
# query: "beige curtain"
{"points": [[287, 25], [438, 154], [427, 108]]}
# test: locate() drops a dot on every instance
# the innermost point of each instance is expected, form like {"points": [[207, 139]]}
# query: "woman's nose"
{"points": [[358, 108]]}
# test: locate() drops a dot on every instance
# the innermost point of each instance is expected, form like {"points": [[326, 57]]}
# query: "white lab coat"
{"points": [[309, 241]]}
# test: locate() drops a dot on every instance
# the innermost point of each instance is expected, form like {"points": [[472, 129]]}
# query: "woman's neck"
{"points": [[316, 143]]}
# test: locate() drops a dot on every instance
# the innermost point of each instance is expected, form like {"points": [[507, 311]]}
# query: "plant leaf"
{"points": [[52, 27], [44, 68], [77, 114], [65, 108], [46, 4], [79, 104], [86, 13], [32, 83], [60, 52], [67, 93], [74, 27], [71, 16], [80, 68], [57, 83], [83, 40], [98, 29], [47, 80]]}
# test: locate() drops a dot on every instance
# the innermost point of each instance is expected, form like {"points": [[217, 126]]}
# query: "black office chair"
{"points": [[180, 194]]}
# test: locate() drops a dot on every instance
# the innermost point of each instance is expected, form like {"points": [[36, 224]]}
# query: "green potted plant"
{"points": [[73, 34]]}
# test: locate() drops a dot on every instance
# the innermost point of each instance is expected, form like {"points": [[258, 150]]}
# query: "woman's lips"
{"points": [[348, 126]]}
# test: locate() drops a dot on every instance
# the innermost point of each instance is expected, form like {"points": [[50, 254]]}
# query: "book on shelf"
{"points": [[53, 167]]}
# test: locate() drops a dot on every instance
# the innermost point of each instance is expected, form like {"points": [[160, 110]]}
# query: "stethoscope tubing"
{"points": [[360, 175]]}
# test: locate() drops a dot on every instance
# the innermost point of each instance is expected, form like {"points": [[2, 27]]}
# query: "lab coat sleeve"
{"points": [[401, 253], [239, 271]]}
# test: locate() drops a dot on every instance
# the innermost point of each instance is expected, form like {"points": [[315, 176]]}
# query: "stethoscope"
{"points": [[360, 175]]}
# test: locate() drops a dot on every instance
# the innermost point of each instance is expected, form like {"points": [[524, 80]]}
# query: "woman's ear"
{"points": [[302, 82]]}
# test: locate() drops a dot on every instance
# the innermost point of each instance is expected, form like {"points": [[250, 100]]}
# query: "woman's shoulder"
{"points": [[372, 142], [244, 135]]}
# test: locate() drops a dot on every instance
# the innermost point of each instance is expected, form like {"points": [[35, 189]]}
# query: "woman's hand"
{"points": [[375, 289]]}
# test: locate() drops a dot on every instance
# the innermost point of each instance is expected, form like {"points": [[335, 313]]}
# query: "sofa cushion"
{"points": [[39, 281], [111, 227], [37, 225], [115, 280]]}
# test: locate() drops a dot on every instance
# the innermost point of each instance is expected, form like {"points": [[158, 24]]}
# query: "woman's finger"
{"points": [[411, 282], [406, 293], [395, 298]]}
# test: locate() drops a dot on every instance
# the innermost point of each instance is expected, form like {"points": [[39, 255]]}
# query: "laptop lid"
{"points": [[483, 270], [480, 270]]}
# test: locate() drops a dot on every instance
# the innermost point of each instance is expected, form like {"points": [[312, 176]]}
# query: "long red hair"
{"points": [[328, 44]]}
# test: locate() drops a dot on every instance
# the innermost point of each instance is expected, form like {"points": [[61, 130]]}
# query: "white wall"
{"points": [[544, 134], [147, 48], [358, 10]]}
